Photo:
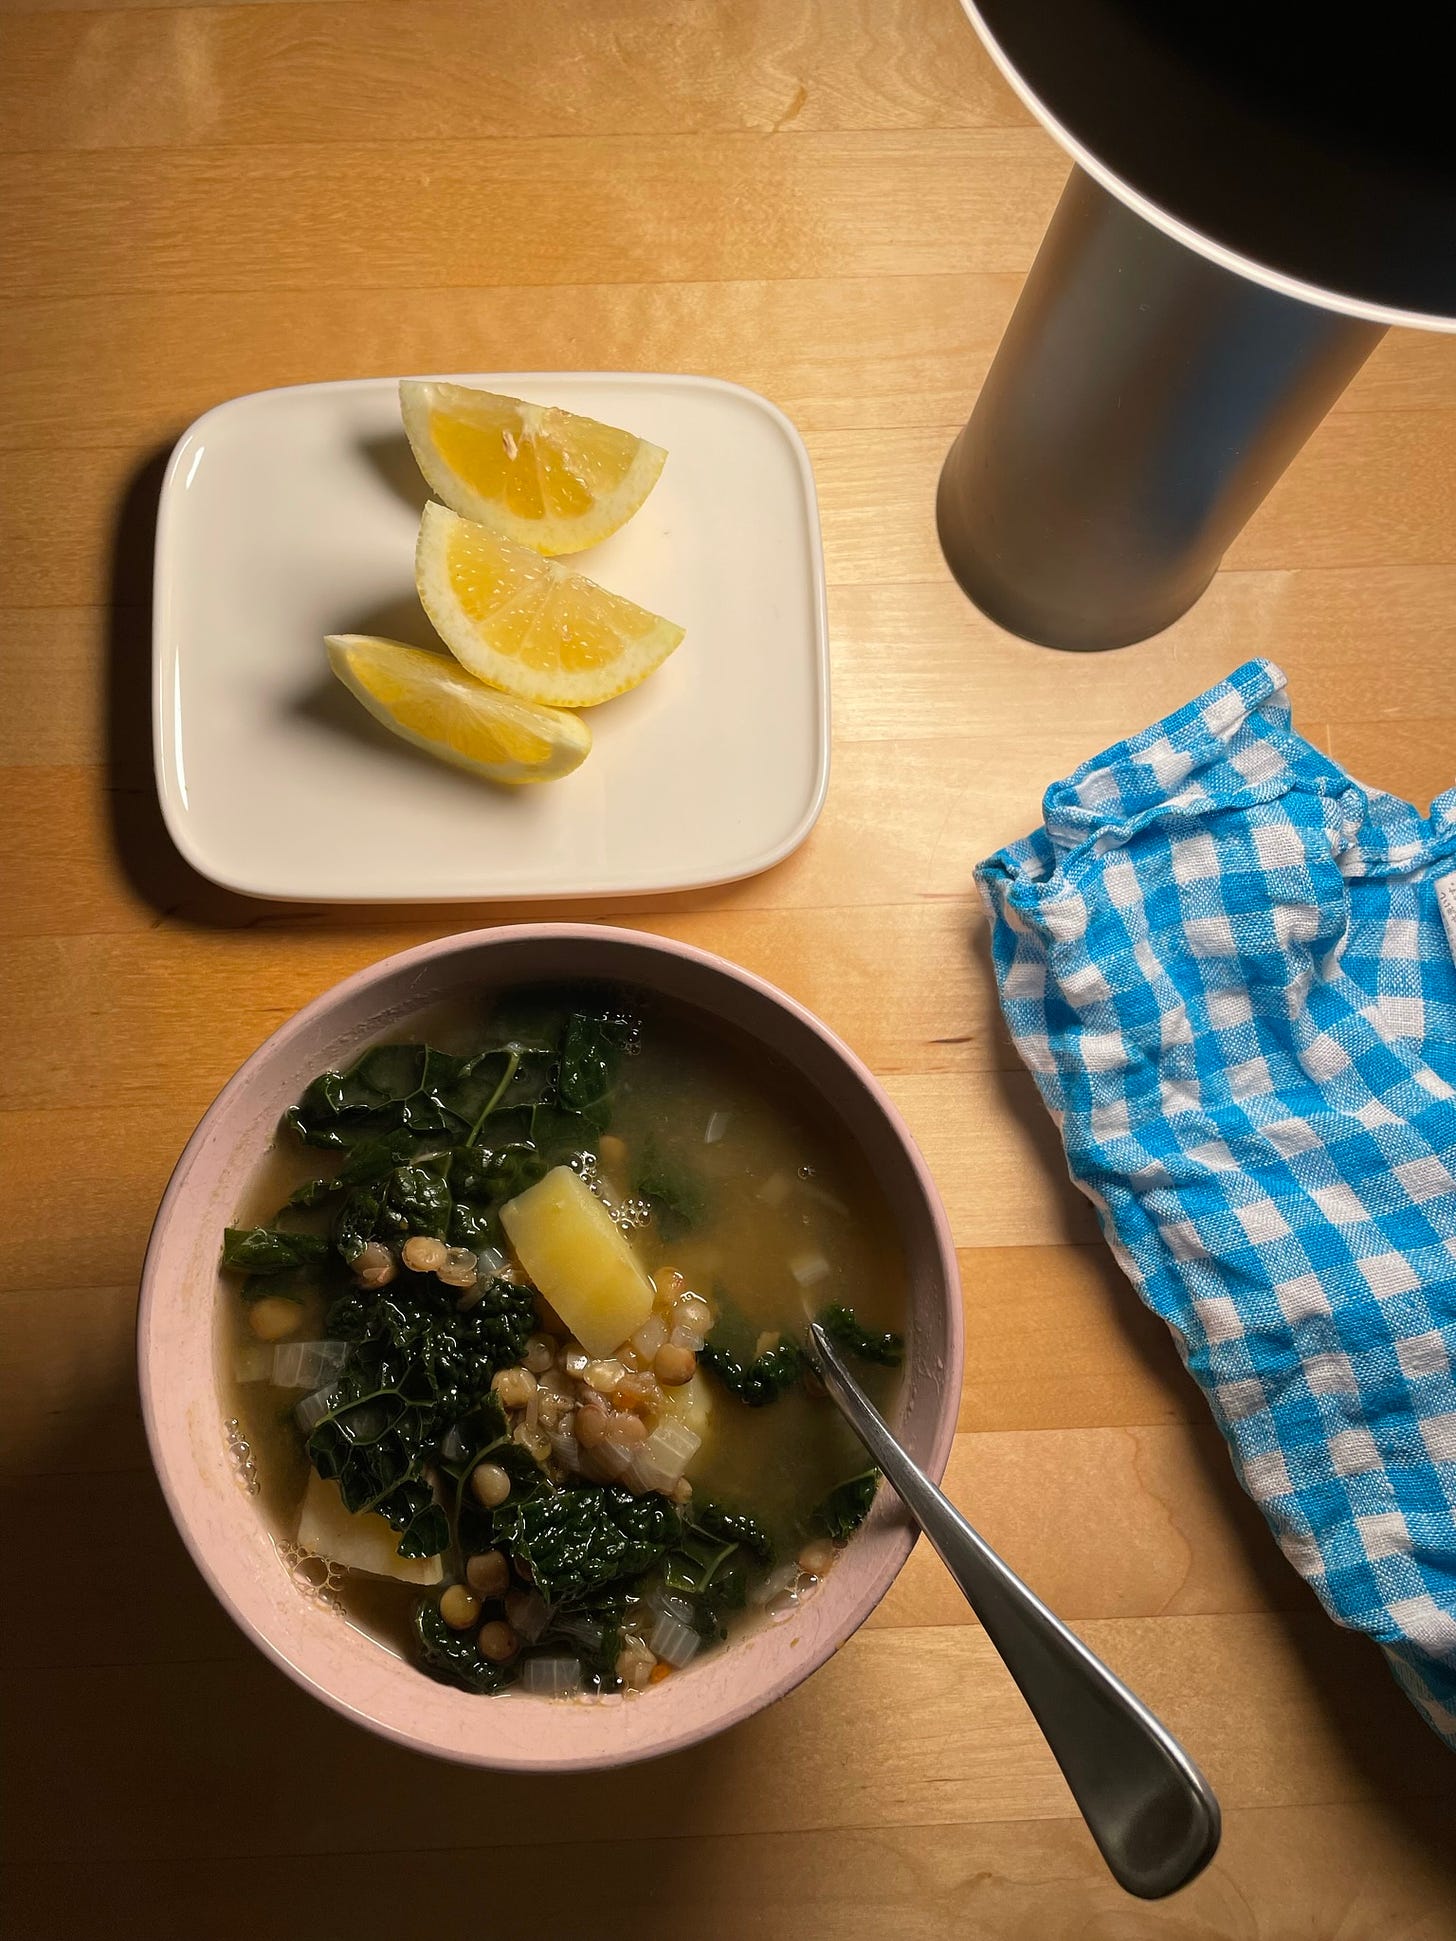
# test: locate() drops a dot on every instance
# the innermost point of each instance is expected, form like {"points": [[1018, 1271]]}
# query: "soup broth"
{"points": [[727, 1186]]}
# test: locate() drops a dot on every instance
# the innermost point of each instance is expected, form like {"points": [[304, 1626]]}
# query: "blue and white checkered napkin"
{"points": [[1225, 963]]}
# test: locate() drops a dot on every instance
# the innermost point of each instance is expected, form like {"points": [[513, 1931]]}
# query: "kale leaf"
{"points": [[566, 1063], [368, 1164], [269, 1250], [432, 1144], [676, 1196], [710, 1562], [482, 1435], [426, 1534], [694, 1562], [428, 1143], [841, 1512], [357, 1221], [416, 1365], [452, 1657], [417, 1199], [591, 1629], [839, 1323], [345, 1109], [727, 1592], [712, 1577], [591, 1052], [733, 1526], [581, 1538], [759, 1381], [402, 1093]]}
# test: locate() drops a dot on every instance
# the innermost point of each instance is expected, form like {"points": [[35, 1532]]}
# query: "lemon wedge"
{"points": [[546, 478], [426, 699], [527, 625]]}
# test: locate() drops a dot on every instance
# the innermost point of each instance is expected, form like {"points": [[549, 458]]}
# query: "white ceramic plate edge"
{"points": [[166, 745]]}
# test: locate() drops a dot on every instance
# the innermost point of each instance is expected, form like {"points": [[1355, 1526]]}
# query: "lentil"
{"points": [[422, 1255]]}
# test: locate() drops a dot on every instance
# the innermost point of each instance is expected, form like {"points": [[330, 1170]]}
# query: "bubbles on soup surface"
{"points": [[241, 1451], [319, 1579]]}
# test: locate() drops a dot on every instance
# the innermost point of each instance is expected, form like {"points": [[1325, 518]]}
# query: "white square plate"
{"points": [[292, 514]]}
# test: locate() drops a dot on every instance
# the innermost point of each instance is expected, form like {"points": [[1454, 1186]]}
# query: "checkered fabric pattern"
{"points": [[1226, 966]]}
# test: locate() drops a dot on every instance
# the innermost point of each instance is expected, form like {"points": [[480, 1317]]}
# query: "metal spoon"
{"points": [[1150, 1810]]}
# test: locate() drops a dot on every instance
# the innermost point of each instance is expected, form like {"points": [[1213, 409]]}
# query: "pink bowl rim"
{"points": [[899, 1542]]}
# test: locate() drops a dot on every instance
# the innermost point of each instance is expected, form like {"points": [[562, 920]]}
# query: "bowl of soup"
{"points": [[473, 1336]]}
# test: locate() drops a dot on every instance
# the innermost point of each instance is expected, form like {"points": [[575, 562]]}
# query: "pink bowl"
{"points": [[219, 1519]]}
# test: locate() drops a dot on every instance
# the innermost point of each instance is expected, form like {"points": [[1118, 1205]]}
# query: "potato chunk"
{"points": [[579, 1259], [691, 1405], [363, 1542]]}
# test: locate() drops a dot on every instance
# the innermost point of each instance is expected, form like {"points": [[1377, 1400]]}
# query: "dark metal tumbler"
{"points": [[1142, 403]]}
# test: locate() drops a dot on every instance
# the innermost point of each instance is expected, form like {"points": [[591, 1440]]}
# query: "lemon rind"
{"points": [[564, 760], [498, 670], [552, 537]]}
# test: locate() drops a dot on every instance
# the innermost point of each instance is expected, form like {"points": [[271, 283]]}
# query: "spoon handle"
{"points": [[1146, 1804]]}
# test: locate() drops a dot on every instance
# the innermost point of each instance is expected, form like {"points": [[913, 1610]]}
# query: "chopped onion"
{"points": [[664, 1456], [651, 1336], [645, 1475], [782, 1579], [566, 1449], [307, 1364], [453, 1447], [808, 1268], [588, 1634], [717, 1126], [670, 1448], [674, 1642], [490, 1260], [575, 1359], [691, 1338], [527, 1613], [616, 1462], [692, 1311], [254, 1361], [668, 1604], [775, 1189], [313, 1408], [551, 1677]]}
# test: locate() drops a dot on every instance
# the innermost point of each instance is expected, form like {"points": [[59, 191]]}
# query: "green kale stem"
{"points": [[513, 1061]]}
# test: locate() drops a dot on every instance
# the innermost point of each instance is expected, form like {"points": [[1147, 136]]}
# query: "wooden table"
{"points": [[833, 201]]}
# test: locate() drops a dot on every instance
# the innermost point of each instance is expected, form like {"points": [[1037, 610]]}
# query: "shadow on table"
{"points": [[1380, 1732], [165, 1779], [144, 851]]}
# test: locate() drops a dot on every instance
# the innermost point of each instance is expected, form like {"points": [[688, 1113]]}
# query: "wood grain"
{"points": [[541, 210], [1352, 1871], [899, 352], [441, 70], [834, 202]]}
